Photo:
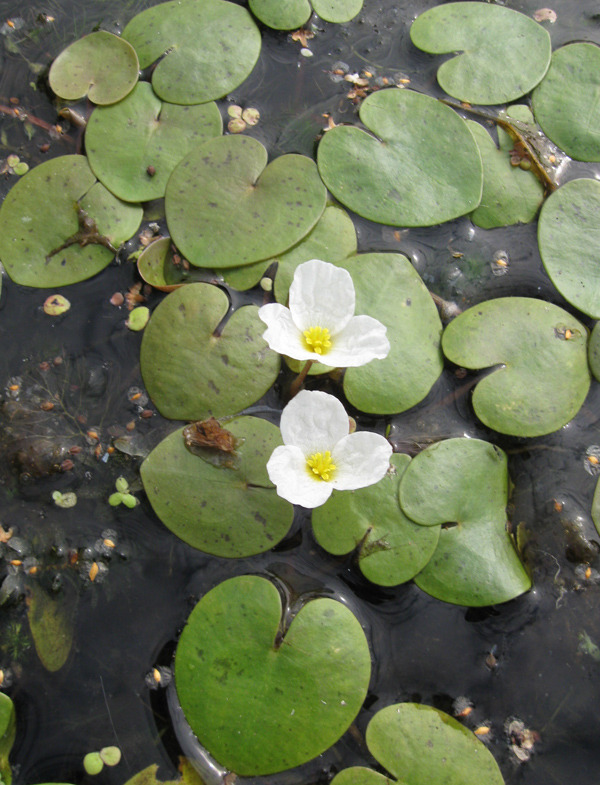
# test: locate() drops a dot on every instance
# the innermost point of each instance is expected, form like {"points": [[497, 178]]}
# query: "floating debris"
{"points": [[521, 740]]}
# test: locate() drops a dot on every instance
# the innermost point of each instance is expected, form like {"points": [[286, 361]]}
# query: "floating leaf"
{"points": [[101, 65], [226, 207], [134, 146], [541, 375], [230, 512], [138, 318], [8, 727], [391, 548], [56, 304], [414, 330], [420, 745], [205, 49], [295, 13], [278, 700], [111, 756], [157, 266], [189, 776], [64, 500], [420, 165], [504, 54], [51, 620], [566, 102], [47, 209], [93, 763], [189, 371], [594, 352], [463, 484], [510, 194], [332, 239], [570, 245]]}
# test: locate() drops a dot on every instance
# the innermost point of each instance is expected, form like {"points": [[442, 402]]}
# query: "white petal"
{"points": [[289, 473], [281, 334], [360, 459], [321, 295], [314, 421], [363, 339]]}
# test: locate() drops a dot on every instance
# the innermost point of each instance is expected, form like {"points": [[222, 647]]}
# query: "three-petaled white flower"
{"points": [[320, 324], [320, 453]]}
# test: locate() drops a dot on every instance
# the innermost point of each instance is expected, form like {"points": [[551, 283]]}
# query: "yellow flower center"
{"points": [[321, 465], [317, 339]]}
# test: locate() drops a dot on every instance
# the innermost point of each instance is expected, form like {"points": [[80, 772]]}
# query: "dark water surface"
{"points": [[127, 621]]}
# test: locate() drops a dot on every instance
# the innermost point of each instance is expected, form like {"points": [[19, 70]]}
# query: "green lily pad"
{"points": [[189, 776], [156, 266], [51, 620], [134, 146], [566, 102], [419, 166], [538, 353], [8, 728], [463, 483], [503, 54], [510, 194], [138, 318], [191, 373], [594, 352], [205, 49], [101, 65], [226, 207], [45, 208], [389, 289], [332, 239], [570, 245], [392, 549], [420, 745], [291, 14], [278, 700], [227, 512]]}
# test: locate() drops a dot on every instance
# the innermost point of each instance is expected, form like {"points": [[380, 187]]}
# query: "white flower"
{"points": [[320, 453], [320, 324]]}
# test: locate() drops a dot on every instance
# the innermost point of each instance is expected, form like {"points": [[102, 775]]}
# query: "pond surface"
{"points": [[535, 658]]}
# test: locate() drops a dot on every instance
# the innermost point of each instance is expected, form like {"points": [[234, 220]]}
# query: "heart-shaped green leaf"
{"points": [[206, 49], [101, 65], [226, 207], [190, 372], [463, 483], [504, 54], [420, 745], [510, 194], [289, 14], [8, 728], [261, 701], [389, 288], [566, 101], [392, 549], [134, 146], [540, 350], [332, 239], [45, 209], [159, 266], [570, 244], [224, 511], [420, 165]]}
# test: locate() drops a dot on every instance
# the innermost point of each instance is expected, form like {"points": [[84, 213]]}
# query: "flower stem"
{"points": [[297, 383]]}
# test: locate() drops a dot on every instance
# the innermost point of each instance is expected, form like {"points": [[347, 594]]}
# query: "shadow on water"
{"points": [[532, 658]]}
